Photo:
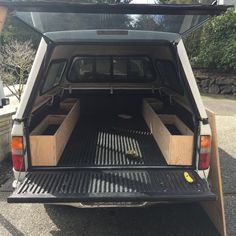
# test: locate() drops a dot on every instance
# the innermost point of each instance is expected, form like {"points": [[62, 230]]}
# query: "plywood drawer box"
{"points": [[49, 138], [176, 148], [155, 104]]}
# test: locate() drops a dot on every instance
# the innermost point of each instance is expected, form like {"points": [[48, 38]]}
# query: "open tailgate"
{"points": [[110, 186]]}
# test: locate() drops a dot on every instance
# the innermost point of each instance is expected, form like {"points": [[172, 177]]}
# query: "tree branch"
{"points": [[15, 94]]}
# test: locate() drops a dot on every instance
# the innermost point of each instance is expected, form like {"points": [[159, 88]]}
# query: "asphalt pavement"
{"points": [[175, 219]]}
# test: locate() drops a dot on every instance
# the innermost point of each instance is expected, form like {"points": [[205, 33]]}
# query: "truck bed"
{"points": [[111, 140]]}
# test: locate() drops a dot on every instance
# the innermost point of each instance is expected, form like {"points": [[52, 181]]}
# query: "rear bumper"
{"points": [[111, 186], [118, 198]]}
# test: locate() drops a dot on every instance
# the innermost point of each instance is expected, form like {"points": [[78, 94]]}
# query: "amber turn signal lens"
{"points": [[17, 145], [205, 141], [17, 142]]}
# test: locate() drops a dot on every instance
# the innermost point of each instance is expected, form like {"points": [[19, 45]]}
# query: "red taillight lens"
{"points": [[17, 153], [205, 152], [204, 161]]}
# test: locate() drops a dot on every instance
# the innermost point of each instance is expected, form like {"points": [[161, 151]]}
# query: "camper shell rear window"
{"points": [[111, 69]]}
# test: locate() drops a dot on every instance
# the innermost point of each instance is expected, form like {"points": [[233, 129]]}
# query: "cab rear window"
{"points": [[111, 69]]}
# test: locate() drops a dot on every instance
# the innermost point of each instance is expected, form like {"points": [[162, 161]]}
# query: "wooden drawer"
{"points": [[46, 143], [176, 148]]}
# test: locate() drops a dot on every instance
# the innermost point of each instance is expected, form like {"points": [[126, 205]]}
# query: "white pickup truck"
{"points": [[111, 114]]}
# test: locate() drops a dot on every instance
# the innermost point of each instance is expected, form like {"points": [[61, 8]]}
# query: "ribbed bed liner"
{"points": [[104, 140], [110, 186]]}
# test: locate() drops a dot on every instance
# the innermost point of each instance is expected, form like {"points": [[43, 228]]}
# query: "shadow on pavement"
{"points": [[228, 173], [5, 170], [175, 219], [9, 227]]}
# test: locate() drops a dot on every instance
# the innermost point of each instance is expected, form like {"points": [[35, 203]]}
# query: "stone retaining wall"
{"points": [[215, 82]]}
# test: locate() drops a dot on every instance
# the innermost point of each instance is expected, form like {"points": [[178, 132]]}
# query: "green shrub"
{"points": [[217, 47]]}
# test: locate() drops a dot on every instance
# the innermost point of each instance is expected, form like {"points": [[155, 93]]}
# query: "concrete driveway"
{"points": [[176, 219]]}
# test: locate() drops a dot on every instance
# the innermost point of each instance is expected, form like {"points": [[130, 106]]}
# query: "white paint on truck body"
{"points": [[18, 127], [191, 79], [204, 128], [32, 78]]}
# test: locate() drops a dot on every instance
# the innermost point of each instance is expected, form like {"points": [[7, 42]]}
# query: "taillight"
{"points": [[205, 152], [17, 148]]}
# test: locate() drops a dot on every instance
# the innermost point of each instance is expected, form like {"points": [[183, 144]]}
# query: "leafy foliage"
{"points": [[217, 44], [192, 44]]}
